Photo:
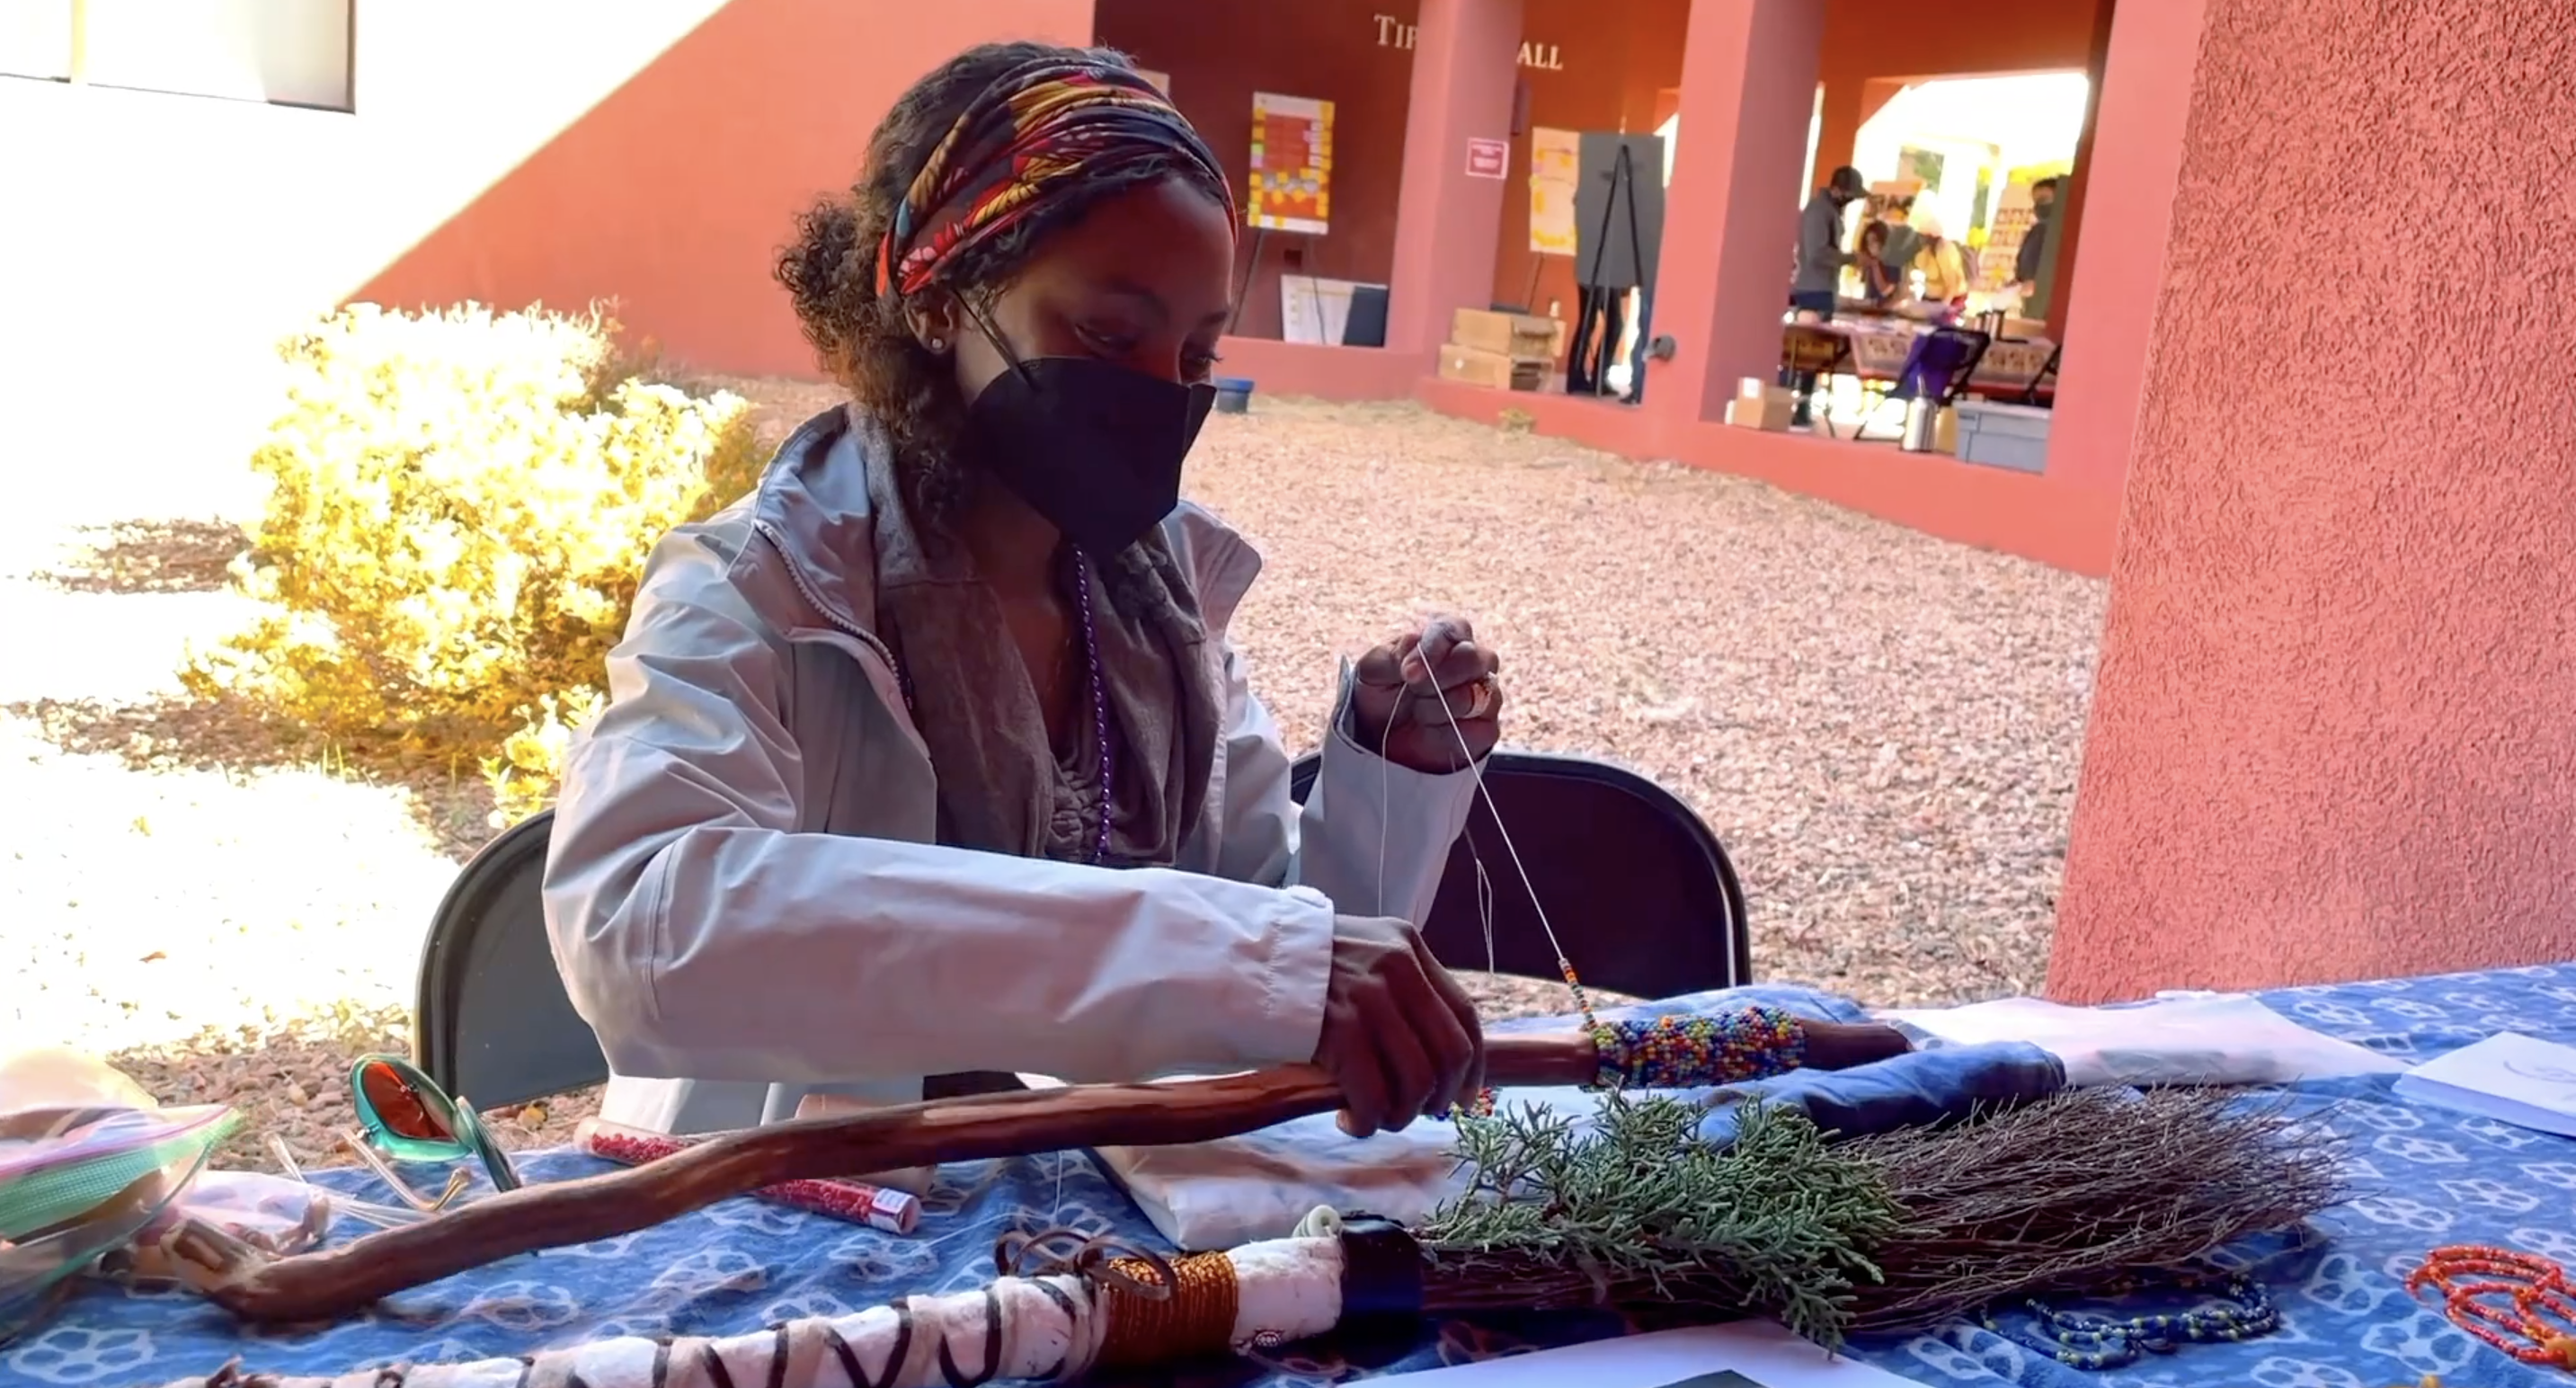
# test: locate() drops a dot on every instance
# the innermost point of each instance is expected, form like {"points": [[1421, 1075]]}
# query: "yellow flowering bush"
{"points": [[462, 503]]}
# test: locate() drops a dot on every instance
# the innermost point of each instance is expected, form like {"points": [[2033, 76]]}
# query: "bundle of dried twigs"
{"points": [[1891, 1233], [2068, 1194]]}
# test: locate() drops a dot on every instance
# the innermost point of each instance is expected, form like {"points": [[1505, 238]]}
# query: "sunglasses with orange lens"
{"points": [[409, 1118]]}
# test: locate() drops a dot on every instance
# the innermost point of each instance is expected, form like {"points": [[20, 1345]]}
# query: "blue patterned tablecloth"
{"points": [[2428, 1177]]}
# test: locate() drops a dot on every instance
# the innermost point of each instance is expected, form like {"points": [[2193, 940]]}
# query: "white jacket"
{"points": [[748, 905]]}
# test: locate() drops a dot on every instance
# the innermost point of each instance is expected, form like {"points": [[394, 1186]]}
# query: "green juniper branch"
{"points": [[1638, 1207]]}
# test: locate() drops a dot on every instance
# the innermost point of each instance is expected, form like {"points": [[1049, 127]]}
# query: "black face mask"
{"points": [[1093, 447]]}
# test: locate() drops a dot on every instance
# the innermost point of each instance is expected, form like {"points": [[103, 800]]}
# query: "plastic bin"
{"points": [[1233, 394], [2005, 436]]}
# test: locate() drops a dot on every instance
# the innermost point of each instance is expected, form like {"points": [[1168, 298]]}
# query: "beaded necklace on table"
{"points": [[2085, 1340], [2539, 1305]]}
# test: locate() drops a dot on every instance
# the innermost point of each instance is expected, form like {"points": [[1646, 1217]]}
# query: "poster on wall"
{"points": [[1923, 165], [1292, 164], [1555, 156], [1162, 80]]}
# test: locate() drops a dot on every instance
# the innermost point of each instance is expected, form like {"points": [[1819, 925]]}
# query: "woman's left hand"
{"points": [[1399, 694]]}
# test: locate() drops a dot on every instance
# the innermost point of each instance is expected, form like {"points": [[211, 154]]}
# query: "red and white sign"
{"points": [[1488, 158]]}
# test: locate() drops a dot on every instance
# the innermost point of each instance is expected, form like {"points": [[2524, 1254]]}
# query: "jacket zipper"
{"points": [[796, 575]]}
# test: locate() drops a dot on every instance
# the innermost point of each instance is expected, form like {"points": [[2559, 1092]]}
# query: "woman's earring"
{"points": [[938, 344]]}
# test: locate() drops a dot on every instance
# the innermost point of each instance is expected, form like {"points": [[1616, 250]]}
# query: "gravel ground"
{"points": [[1884, 729]]}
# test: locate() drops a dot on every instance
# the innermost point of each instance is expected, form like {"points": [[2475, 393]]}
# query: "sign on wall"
{"points": [[1555, 155], [1488, 158], [1292, 164], [1395, 33]]}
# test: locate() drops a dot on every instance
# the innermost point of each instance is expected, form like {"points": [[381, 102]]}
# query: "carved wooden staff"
{"points": [[340, 1281]]}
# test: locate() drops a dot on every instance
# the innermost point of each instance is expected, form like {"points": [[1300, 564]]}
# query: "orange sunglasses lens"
{"points": [[401, 1108]]}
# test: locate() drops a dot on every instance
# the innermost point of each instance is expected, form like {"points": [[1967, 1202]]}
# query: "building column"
{"points": [[2145, 92], [2058, 292], [2330, 735], [1448, 221], [1731, 215], [1849, 103]]}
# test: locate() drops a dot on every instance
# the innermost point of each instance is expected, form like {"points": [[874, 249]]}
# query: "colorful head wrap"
{"points": [[1037, 133]]}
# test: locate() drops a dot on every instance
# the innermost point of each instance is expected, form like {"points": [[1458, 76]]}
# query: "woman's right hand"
{"points": [[1400, 1037]]}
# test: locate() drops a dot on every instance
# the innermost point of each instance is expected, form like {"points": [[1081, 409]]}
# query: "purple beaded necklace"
{"points": [[1099, 707]]}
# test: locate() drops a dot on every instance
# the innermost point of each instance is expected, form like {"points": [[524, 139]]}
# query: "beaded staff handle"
{"points": [[339, 1281]]}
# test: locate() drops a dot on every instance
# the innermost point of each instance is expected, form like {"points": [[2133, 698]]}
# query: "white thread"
{"points": [[1484, 902], [1476, 772], [1484, 883], [1385, 794]]}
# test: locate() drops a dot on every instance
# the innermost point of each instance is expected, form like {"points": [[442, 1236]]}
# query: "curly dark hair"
{"points": [[861, 336]]}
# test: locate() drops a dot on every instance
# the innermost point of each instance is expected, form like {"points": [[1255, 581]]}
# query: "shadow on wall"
{"points": [[652, 151]]}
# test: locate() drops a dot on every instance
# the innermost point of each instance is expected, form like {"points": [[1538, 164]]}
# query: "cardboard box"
{"points": [[1760, 406], [1504, 334], [1477, 367]]}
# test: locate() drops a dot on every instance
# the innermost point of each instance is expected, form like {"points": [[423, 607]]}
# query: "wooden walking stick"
{"points": [[339, 1281]]}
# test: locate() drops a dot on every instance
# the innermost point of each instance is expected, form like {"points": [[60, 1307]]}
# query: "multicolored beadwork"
{"points": [[2080, 1340], [1684, 1052]]}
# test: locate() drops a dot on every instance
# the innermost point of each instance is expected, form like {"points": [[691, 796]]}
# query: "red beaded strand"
{"points": [[2539, 1307]]}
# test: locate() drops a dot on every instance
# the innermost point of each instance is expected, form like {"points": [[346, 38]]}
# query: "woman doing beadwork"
{"points": [[934, 758]]}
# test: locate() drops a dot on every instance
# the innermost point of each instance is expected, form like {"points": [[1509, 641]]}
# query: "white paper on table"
{"points": [[1745, 1354], [2508, 1077], [2181, 1038]]}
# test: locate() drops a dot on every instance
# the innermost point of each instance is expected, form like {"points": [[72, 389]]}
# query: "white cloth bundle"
{"points": [[2179, 1038]]}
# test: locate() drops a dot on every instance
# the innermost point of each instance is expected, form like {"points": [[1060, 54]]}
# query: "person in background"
{"points": [[1937, 259], [1821, 259], [1880, 286], [1902, 241], [2034, 242]]}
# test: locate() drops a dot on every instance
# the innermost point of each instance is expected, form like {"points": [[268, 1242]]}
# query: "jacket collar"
{"points": [[814, 507]]}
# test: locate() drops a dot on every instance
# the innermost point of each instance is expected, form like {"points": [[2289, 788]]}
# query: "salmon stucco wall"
{"points": [[2334, 732]]}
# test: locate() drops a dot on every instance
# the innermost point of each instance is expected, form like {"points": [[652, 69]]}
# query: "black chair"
{"points": [[1639, 890], [1641, 893], [1811, 356], [493, 1023]]}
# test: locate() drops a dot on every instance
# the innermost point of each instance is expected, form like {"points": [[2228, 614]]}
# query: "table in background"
{"points": [[2427, 1177], [2011, 367]]}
